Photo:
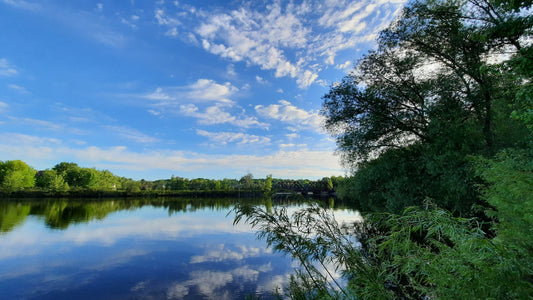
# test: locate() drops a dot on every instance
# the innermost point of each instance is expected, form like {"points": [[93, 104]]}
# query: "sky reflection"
{"points": [[140, 253], [128, 249]]}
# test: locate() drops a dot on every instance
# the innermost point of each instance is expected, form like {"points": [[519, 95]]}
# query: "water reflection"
{"points": [[59, 214], [135, 248]]}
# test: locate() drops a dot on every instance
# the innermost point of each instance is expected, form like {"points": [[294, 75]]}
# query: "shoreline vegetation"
{"points": [[98, 194], [59, 213], [68, 180], [436, 125]]}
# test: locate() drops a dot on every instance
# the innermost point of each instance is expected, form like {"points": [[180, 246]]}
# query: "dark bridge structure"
{"points": [[320, 187]]}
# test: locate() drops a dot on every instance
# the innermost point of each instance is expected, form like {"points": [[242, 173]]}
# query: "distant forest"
{"points": [[65, 178]]}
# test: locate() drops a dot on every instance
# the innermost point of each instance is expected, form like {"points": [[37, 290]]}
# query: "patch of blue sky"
{"points": [[150, 89]]}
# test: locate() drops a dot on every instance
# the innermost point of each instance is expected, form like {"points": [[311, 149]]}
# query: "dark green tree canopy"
{"points": [[430, 78]]}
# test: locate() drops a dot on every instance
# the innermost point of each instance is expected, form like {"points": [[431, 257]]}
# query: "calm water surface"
{"points": [[135, 249]]}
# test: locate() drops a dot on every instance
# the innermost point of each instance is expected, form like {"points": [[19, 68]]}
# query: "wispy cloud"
{"points": [[214, 115], [206, 100], [18, 88], [3, 106], [132, 134], [203, 90], [288, 164], [294, 146], [287, 38], [292, 136], [130, 21], [344, 66], [40, 124], [261, 80], [257, 38], [6, 68], [292, 115], [22, 4], [171, 22], [233, 137], [230, 71], [83, 23]]}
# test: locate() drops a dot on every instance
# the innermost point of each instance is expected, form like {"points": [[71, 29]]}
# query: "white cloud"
{"points": [[288, 38], [230, 70], [3, 106], [118, 159], [171, 22], [344, 66], [154, 113], [23, 139], [217, 115], [292, 115], [173, 32], [257, 38], [231, 137], [163, 19], [260, 80], [22, 4], [6, 68], [130, 22], [219, 253], [18, 88], [108, 37], [132, 134], [99, 7], [42, 124], [209, 283], [203, 90], [86, 24], [293, 136], [294, 146]]}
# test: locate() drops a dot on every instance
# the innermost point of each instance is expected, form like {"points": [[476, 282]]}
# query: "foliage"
{"points": [[15, 175], [508, 191], [268, 184], [312, 237], [67, 178], [247, 181], [420, 254], [429, 253], [439, 111], [412, 112], [51, 180], [12, 214]]}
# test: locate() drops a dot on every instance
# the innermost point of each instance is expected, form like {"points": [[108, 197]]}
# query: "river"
{"points": [[135, 249]]}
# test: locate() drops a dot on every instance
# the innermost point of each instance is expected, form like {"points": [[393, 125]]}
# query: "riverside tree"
{"points": [[437, 90], [434, 125], [16, 175]]}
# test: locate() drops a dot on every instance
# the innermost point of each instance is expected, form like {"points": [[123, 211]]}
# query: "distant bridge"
{"points": [[295, 186]]}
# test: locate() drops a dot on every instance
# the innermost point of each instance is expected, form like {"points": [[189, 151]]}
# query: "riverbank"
{"points": [[125, 194]]}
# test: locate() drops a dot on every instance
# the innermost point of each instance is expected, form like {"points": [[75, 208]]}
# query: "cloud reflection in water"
{"points": [[141, 253]]}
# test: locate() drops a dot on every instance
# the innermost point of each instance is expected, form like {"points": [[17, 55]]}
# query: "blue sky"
{"points": [[150, 89]]}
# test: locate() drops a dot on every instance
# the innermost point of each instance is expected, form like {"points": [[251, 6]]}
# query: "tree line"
{"points": [[436, 126], [16, 175]]}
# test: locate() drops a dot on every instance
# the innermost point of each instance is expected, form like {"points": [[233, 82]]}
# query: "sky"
{"points": [[154, 89]]}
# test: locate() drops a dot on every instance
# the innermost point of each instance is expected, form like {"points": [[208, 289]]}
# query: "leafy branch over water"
{"points": [[423, 253], [314, 238]]}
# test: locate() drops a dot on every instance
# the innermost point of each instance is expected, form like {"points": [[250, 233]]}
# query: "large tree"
{"points": [[439, 87], [433, 65]]}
